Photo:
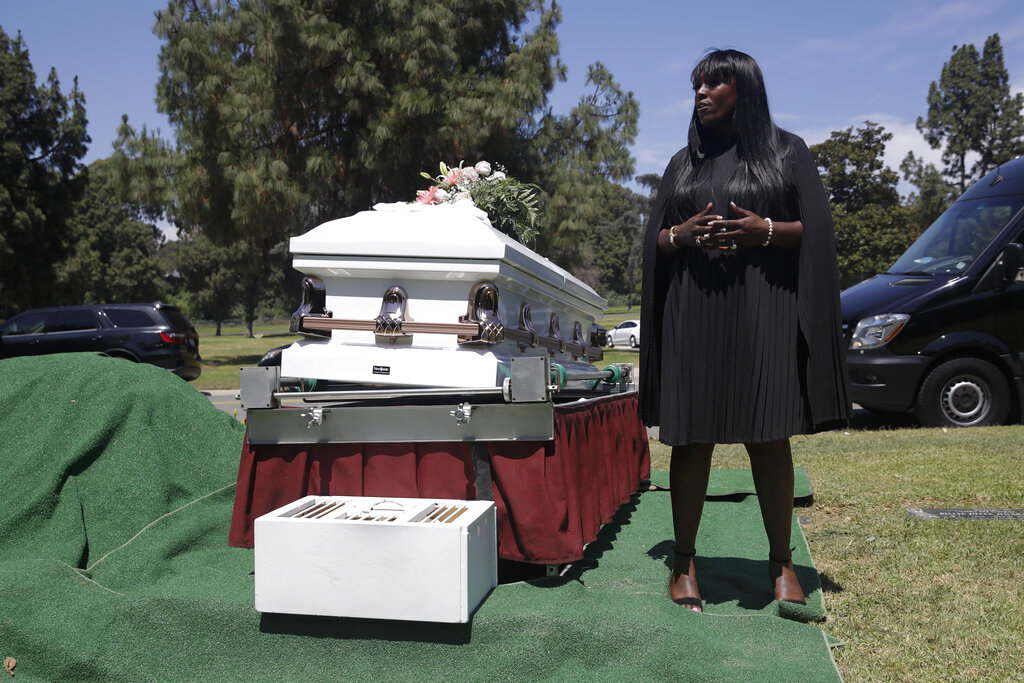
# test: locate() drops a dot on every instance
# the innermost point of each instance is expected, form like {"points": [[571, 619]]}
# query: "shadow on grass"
{"points": [[592, 554], [724, 579], [743, 581], [341, 628], [828, 585], [877, 420]]}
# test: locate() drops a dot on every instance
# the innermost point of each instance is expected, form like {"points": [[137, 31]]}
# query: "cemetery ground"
{"points": [[908, 598]]}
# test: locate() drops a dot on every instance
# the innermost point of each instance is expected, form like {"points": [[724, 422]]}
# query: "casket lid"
{"points": [[445, 231]]}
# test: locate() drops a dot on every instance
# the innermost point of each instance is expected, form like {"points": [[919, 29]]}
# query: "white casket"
{"points": [[377, 558], [433, 296]]}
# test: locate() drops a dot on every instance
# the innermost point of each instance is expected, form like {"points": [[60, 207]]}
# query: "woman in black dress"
{"points": [[741, 339]]}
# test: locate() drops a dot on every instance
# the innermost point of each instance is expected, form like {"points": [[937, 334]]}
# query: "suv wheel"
{"points": [[964, 392]]}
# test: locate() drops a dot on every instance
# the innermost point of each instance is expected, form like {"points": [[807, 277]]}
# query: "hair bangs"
{"points": [[713, 68], [757, 182]]}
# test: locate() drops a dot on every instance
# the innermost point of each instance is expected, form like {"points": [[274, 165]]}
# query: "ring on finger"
{"points": [[698, 241]]}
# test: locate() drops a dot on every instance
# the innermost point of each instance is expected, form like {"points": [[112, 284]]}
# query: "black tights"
{"points": [[772, 467]]}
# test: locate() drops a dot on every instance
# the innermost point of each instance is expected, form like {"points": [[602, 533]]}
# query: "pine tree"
{"points": [[578, 158], [208, 273], [42, 139], [288, 113], [614, 249], [971, 110], [934, 193], [113, 249]]}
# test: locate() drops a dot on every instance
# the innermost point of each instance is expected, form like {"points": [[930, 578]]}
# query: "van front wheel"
{"points": [[964, 392]]}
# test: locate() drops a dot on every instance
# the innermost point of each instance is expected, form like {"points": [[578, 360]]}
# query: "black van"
{"points": [[942, 331]]}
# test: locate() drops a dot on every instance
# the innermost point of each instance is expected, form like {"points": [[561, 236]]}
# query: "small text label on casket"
{"points": [[382, 369]]}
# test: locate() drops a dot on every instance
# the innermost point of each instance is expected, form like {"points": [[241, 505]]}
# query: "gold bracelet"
{"points": [[672, 236]]}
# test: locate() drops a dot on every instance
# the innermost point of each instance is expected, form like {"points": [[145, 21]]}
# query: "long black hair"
{"points": [[757, 182]]}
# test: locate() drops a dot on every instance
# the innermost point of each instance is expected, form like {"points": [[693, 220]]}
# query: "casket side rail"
{"points": [[481, 326]]}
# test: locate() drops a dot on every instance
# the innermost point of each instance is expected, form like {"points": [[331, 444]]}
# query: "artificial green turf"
{"points": [[116, 499], [737, 483], [732, 550]]}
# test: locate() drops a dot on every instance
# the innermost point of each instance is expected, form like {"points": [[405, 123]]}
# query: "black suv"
{"points": [[148, 333]]}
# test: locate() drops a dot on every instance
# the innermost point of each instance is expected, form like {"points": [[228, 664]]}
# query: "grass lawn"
{"points": [[617, 314], [914, 600], [224, 355], [910, 599]]}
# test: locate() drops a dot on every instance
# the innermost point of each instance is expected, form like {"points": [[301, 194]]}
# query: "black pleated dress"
{"points": [[743, 346], [729, 339]]}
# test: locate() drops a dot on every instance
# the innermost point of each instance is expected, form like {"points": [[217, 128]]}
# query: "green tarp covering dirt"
{"points": [[115, 499]]}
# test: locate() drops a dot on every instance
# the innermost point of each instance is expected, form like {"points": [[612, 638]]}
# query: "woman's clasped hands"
{"points": [[714, 232]]}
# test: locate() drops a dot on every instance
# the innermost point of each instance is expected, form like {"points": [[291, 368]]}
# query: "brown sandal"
{"points": [[775, 567], [695, 604]]}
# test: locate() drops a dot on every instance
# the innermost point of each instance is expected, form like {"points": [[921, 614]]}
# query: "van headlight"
{"points": [[877, 330]]}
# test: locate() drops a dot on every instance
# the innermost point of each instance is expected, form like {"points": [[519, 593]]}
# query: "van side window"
{"points": [[67, 321]]}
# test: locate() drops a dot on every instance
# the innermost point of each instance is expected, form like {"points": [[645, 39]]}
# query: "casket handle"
{"points": [[388, 322]]}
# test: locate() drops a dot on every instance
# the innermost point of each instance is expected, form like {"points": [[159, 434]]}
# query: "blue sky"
{"points": [[827, 65]]}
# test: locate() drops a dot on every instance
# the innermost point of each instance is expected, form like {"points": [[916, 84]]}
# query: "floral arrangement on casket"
{"points": [[510, 205]]}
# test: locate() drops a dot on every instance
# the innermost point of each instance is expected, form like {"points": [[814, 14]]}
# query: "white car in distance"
{"points": [[627, 332]]}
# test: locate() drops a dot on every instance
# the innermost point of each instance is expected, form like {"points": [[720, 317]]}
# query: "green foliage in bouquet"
{"points": [[510, 205]]}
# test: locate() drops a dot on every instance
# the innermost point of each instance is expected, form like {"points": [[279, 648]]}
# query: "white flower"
{"points": [[511, 206]]}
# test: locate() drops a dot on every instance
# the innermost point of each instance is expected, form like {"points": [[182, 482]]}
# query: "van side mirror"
{"points": [[1005, 269]]}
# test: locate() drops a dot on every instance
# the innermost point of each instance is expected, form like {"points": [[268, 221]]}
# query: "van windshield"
{"points": [[958, 236]]}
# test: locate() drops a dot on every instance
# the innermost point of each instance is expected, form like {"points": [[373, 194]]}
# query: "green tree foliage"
{"points": [[288, 113], [870, 240], [578, 159], [345, 102], [934, 193], [615, 248], [853, 170], [208, 274], [144, 169], [971, 111], [42, 139], [872, 227], [113, 250]]}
